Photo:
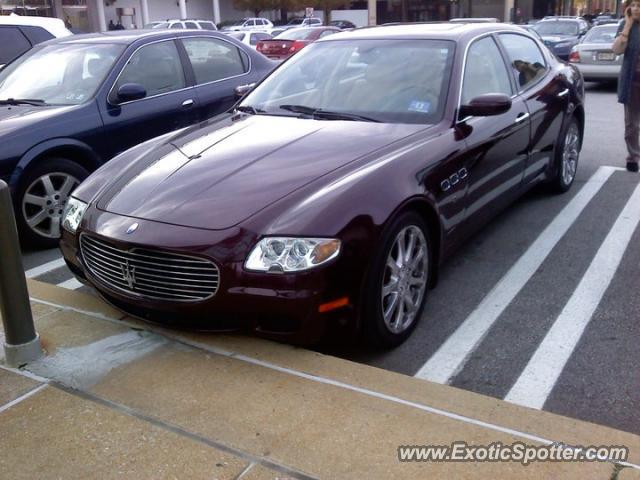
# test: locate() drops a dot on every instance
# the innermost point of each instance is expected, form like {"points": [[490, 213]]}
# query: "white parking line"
{"points": [[71, 284], [45, 267], [541, 373], [449, 359], [7, 406]]}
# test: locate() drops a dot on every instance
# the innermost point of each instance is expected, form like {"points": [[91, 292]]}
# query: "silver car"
{"points": [[593, 55]]}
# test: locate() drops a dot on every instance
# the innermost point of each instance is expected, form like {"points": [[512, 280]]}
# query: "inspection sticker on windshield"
{"points": [[422, 107]]}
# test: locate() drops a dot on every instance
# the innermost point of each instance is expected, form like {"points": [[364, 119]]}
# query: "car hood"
{"points": [[17, 117], [218, 176]]}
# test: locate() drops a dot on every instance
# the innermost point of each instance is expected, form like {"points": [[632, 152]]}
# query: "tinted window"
{"points": [[207, 25], [157, 67], [177, 25], [12, 44], [526, 59], [213, 59], [190, 25], [326, 33], [485, 71], [36, 34], [256, 37]]}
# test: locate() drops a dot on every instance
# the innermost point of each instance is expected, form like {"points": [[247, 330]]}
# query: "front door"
{"points": [[169, 103], [496, 146]]}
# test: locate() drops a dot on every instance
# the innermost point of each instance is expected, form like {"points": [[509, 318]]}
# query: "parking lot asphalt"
{"points": [[117, 398], [492, 347]]}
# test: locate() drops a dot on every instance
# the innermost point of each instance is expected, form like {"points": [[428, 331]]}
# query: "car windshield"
{"points": [[62, 74], [390, 81], [557, 28], [601, 35], [296, 34]]}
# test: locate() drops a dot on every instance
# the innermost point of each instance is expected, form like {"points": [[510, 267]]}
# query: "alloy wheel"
{"points": [[405, 279], [44, 201], [570, 154]]}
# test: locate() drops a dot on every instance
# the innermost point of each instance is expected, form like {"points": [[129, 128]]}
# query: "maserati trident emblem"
{"points": [[132, 228], [129, 274]]}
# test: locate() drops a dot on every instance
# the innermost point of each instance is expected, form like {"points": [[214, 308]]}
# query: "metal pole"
{"points": [[22, 343]]}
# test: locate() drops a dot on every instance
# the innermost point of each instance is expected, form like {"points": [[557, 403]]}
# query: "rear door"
{"points": [[218, 67], [496, 145], [170, 102], [546, 93]]}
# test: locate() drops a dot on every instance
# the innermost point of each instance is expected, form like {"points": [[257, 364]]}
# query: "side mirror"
{"points": [[242, 90], [131, 91], [486, 105]]}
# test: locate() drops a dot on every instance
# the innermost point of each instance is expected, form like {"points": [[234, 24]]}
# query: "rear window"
{"points": [[296, 34], [207, 25], [601, 35]]}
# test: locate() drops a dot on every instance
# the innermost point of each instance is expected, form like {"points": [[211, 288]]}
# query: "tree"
{"points": [[256, 6]]}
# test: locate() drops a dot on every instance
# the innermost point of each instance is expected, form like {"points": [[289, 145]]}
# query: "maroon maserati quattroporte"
{"points": [[327, 199]]}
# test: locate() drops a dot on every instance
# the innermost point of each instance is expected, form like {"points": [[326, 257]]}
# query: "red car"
{"points": [[291, 41]]}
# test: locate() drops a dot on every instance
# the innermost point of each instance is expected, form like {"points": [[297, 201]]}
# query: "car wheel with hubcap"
{"points": [[397, 283], [566, 157], [41, 198]]}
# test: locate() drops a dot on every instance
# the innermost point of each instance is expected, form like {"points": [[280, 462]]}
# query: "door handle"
{"points": [[187, 103], [521, 117], [563, 93]]}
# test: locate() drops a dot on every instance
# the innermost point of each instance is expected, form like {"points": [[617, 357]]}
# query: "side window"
{"points": [[177, 25], [157, 67], [191, 25], [12, 44], [207, 25], [213, 59], [527, 61], [36, 34], [485, 71]]}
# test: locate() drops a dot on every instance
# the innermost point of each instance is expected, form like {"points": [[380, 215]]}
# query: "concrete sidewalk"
{"points": [[118, 398]]}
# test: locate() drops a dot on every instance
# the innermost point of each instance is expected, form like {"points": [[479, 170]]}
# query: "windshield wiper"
{"points": [[249, 109], [327, 114], [24, 101]]}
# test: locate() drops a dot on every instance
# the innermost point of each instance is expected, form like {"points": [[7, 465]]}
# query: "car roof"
{"points": [[127, 37], [55, 26], [435, 30]]}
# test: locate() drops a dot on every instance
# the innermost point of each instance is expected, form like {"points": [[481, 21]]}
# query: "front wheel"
{"points": [[566, 157], [397, 283], [41, 197]]}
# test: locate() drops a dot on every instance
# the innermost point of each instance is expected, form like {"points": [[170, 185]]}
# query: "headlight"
{"points": [[73, 212], [284, 254]]}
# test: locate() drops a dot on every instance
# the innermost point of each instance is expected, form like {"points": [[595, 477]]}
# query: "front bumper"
{"points": [[282, 307]]}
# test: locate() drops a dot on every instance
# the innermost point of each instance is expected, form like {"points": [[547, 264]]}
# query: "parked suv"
{"points": [[250, 24], [71, 104], [561, 34], [18, 34], [184, 24]]}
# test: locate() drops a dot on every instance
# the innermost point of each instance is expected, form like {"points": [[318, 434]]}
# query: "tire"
{"points": [[41, 197], [390, 330], [567, 154]]}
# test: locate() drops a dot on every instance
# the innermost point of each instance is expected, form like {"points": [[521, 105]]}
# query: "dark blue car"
{"points": [[561, 34], [71, 104]]}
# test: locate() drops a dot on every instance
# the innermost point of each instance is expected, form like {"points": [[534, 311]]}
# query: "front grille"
{"points": [[150, 273]]}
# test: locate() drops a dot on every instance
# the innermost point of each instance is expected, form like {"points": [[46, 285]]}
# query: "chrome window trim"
{"points": [[464, 66], [191, 87]]}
